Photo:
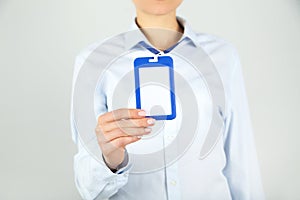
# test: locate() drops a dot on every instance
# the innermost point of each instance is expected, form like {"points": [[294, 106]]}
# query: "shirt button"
{"points": [[170, 137], [173, 182]]}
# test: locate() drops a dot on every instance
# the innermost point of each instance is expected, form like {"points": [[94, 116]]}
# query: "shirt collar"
{"points": [[133, 37]]}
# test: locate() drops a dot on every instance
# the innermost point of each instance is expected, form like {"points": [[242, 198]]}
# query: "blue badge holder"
{"points": [[153, 64]]}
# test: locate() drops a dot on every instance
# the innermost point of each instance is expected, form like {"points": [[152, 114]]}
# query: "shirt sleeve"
{"points": [[94, 179], [242, 168]]}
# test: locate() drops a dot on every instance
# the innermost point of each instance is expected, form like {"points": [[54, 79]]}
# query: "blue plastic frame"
{"points": [[162, 61]]}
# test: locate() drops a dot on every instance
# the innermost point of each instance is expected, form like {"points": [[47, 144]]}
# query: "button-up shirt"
{"points": [[231, 169]]}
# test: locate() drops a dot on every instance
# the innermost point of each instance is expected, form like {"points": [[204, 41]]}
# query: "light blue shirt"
{"points": [[230, 171]]}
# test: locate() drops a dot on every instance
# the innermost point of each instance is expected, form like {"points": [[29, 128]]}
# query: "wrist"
{"points": [[115, 167]]}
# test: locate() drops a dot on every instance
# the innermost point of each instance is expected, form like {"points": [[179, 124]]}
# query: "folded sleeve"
{"points": [[93, 178]]}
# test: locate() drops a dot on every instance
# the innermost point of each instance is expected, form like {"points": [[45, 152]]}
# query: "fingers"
{"points": [[123, 141], [118, 143], [129, 123], [136, 131], [121, 127], [116, 133], [123, 113]]}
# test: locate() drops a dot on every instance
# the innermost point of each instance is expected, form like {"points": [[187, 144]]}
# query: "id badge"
{"points": [[154, 87]]}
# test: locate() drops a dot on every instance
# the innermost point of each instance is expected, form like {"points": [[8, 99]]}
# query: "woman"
{"points": [[230, 172]]}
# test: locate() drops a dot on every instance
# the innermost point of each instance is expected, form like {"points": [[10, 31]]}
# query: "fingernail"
{"points": [[148, 130], [142, 113], [138, 137], [151, 121]]}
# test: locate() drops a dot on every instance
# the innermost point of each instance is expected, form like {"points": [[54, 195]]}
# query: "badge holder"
{"points": [[154, 86]]}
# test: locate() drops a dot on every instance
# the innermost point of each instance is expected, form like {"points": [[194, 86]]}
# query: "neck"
{"points": [[167, 21], [162, 31]]}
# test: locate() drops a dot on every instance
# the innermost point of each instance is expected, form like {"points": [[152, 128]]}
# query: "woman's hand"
{"points": [[119, 128]]}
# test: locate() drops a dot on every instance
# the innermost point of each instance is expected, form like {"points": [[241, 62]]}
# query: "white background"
{"points": [[39, 40]]}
